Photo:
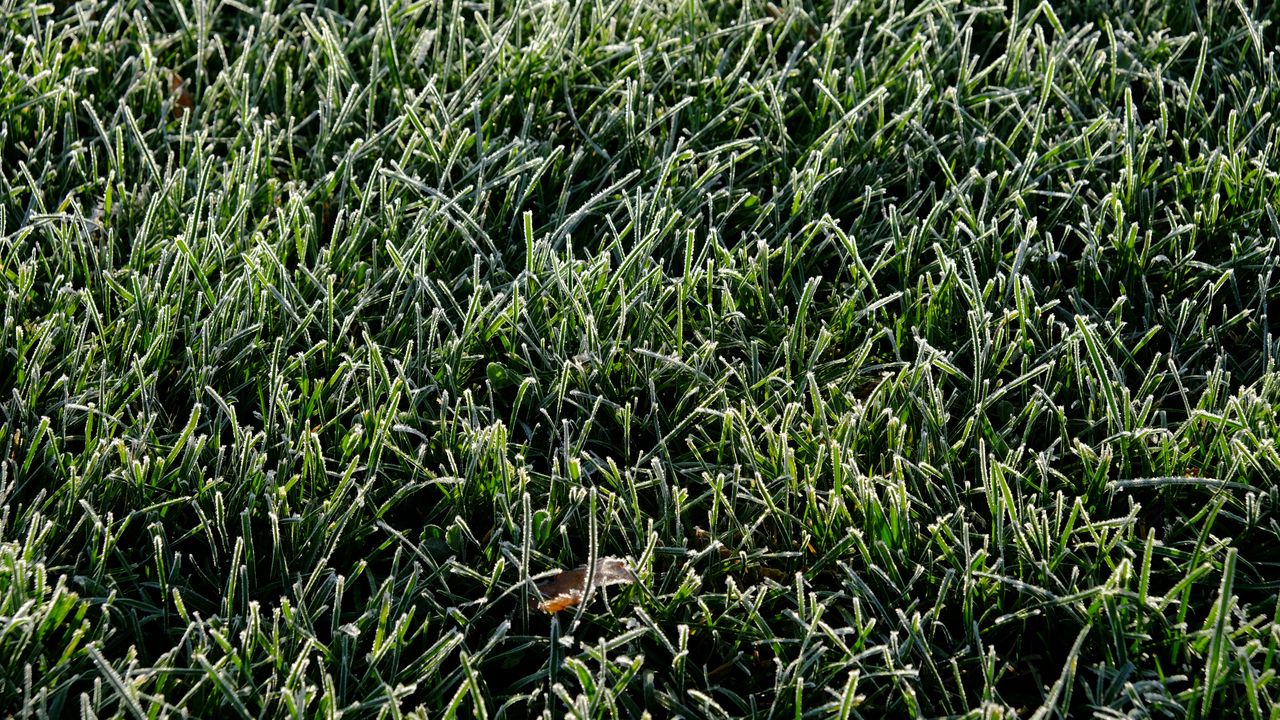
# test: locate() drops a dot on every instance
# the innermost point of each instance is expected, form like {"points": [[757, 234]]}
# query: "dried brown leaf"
{"points": [[567, 588], [182, 101]]}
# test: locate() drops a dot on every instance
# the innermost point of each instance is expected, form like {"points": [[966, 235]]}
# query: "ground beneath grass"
{"points": [[919, 359]]}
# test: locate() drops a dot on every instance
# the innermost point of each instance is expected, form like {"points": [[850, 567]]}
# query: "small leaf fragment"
{"points": [[182, 101]]}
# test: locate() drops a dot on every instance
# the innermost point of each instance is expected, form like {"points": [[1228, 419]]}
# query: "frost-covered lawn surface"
{"points": [[917, 359]]}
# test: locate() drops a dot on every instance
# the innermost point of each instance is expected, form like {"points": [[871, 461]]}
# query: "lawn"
{"points": [[914, 359]]}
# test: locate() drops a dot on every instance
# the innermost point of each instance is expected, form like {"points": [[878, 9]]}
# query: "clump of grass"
{"points": [[919, 358]]}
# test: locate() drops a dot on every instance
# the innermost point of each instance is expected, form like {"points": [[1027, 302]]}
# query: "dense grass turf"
{"points": [[921, 358]]}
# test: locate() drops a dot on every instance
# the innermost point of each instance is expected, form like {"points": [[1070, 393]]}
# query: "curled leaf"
{"points": [[567, 588]]}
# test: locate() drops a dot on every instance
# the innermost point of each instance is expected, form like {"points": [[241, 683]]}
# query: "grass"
{"points": [[921, 358]]}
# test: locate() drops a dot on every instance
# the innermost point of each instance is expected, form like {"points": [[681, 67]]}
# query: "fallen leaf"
{"points": [[778, 13], [182, 101], [703, 539], [567, 588]]}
